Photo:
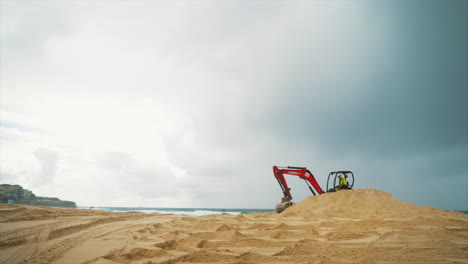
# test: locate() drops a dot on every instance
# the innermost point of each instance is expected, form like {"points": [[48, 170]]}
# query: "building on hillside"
{"points": [[15, 194], [10, 193]]}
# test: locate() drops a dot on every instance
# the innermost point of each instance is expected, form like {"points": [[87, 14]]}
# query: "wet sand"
{"points": [[362, 226]]}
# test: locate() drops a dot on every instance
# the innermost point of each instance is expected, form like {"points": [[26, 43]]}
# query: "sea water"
{"points": [[184, 211]]}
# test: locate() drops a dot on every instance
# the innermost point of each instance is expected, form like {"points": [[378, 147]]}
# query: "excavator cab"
{"points": [[333, 181]]}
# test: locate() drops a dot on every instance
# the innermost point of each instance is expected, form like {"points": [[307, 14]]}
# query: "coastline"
{"points": [[193, 211]]}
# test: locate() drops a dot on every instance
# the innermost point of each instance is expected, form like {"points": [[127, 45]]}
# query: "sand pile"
{"points": [[363, 226], [360, 204]]}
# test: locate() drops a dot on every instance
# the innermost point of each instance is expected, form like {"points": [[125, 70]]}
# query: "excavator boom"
{"points": [[301, 172]]}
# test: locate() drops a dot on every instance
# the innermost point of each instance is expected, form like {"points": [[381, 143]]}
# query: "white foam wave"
{"points": [[177, 212], [191, 213]]}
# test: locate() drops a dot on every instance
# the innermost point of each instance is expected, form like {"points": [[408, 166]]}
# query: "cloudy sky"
{"points": [[190, 104]]}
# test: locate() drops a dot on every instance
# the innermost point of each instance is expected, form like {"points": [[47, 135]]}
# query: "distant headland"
{"points": [[16, 194]]}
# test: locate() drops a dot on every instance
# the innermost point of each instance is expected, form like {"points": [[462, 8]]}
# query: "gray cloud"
{"points": [[27, 26], [234, 88], [388, 93], [48, 160], [408, 97], [148, 180]]}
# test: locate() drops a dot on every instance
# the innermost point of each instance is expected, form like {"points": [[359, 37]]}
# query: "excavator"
{"points": [[308, 177]]}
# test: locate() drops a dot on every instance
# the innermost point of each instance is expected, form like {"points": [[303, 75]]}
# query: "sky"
{"points": [[191, 103]]}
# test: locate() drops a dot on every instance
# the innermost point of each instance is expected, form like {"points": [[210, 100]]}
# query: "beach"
{"points": [[361, 226]]}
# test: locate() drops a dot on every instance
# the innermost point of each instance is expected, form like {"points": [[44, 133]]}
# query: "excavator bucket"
{"points": [[282, 206], [285, 203]]}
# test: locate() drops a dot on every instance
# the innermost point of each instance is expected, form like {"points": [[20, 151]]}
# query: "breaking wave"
{"points": [[180, 211]]}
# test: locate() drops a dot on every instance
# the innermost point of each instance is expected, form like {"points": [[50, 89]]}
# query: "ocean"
{"points": [[186, 211], [183, 211]]}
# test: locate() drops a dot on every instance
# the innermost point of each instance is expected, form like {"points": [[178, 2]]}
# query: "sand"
{"points": [[362, 226]]}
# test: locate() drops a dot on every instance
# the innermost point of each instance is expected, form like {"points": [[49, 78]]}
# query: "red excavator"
{"points": [[309, 178]]}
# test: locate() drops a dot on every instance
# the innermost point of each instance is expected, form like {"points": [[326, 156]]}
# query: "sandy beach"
{"points": [[362, 226]]}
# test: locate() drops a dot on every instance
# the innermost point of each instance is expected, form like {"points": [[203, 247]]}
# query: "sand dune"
{"points": [[363, 226]]}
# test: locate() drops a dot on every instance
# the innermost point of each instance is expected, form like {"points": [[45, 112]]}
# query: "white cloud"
{"points": [[48, 160]]}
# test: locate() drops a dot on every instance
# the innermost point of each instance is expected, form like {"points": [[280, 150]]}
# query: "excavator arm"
{"points": [[301, 172]]}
